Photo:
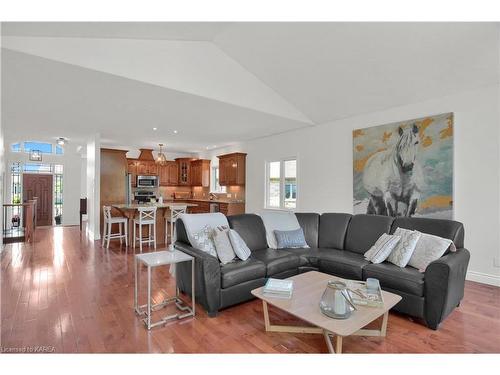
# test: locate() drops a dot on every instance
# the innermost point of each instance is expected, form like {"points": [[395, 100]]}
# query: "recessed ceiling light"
{"points": [[155, 128], [175, 132]]}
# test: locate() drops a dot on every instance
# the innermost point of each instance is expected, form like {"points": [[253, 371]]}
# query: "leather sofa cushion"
{"points": [[342, 263], [453, 230], [251, 228], [241, 271], [407, 279], [365, 230], [332, 230], [307, 257], [276, 261], [309, 222]]}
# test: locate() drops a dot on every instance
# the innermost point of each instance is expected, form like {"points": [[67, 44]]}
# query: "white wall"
{"points": [[324, 155], [93, 187], [71, 179]]}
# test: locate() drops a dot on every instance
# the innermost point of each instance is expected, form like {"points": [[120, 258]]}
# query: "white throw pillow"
{"points": [[278, 220], [239, 246], [203, 240], [403, 251], [429, 248], [382, 248], [199, 229], [223, 245]]}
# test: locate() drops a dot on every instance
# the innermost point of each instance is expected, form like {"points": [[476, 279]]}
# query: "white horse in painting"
{"points": [[393, 178]]}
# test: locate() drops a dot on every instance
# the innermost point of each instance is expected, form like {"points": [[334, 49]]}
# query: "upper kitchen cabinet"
{"points": [[173, 173], [232, 169], [200, 173], [169, 174], [132, 169], [184, 165]]}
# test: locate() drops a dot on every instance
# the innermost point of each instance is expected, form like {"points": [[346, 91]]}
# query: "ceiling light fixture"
{"points": [[175, 132], [155, 129], [161, 159], [61, 141]]}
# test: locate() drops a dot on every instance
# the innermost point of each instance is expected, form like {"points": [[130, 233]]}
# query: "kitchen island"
{"points": [[162, 212]]}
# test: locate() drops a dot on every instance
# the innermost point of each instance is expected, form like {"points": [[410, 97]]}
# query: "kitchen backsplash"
{"points": [[232, 192]]}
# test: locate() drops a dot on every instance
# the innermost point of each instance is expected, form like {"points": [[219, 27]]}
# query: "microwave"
{"points": [[147, 181]]}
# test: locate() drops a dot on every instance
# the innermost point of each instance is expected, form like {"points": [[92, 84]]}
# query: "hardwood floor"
{"points": [[66, 294]]}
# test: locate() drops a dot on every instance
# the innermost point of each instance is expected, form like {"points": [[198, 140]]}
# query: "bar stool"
{"points": [[147, 216], [108, 223], [175, 212]]}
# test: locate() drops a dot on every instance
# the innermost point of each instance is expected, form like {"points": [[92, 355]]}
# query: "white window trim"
{"points": [[223, 189], [282, 184]]}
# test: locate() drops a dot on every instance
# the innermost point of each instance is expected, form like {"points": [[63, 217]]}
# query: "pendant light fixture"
{"points": [[161, 159]]}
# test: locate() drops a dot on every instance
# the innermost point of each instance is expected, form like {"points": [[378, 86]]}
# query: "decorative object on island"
{"points": [[336, 302], [232, 169], [161, 159], [405, 168]]}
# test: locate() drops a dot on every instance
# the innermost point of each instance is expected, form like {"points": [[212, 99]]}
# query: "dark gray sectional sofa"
{"points": [[337, 243]]}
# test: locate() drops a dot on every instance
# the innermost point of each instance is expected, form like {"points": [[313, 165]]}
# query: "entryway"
{"points": [[39, 186]]}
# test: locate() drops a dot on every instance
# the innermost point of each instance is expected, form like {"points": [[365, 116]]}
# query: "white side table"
{"points": [[162, 258]]}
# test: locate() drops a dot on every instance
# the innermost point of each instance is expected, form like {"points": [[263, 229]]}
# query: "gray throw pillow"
{"points": [[290, 239], [223, 245], [403, 251], [239, 246]]}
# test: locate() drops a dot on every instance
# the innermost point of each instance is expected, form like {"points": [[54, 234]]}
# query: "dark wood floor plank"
{"points": [[68, 292]]}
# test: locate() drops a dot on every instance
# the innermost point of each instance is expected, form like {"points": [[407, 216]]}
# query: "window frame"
{"points": [[214, 182], [282, 206]]}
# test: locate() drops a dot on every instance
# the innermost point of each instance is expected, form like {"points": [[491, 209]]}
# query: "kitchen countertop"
{"points": [[205, 200], [135, 206]]}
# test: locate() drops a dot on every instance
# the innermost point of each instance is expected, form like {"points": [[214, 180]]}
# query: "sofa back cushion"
{"points": [[453, 230], [251, 229], [333, 229], [365, 230], [309, 222]]}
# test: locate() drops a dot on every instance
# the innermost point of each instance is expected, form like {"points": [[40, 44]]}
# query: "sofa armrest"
{"points": [[444, 285], [207, 277]]}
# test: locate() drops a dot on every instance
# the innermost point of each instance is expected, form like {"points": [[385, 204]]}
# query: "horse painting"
{"points": [[393, 178], [404, 168]]}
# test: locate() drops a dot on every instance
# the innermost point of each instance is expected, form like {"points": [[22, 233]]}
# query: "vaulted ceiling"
{"points": [[222, 83]]}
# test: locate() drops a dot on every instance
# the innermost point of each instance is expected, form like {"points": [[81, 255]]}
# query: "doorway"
{"points": [[39, 186]]}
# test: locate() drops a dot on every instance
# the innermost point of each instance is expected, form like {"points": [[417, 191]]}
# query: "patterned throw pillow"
{"points": [[223, 245], [429, 248], [382, 248], [290, 239], [239, 246], [203, 240], [403, 251]]}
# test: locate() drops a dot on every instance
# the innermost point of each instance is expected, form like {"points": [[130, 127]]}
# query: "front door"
{"points": [[39, 186]]}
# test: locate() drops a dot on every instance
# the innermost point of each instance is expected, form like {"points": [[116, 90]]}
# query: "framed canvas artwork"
{"points": [[405, 168]]}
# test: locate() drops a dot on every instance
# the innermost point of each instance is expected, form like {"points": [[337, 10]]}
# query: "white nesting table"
{"points": [[156, 259]]}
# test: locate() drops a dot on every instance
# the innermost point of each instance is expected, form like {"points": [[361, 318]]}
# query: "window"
{"points": [[58, 193], [216, 188], [44, 148], [281, 184]]}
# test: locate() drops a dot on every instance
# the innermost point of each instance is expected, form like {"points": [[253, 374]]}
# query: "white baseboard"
{"points": [[483, 278]]}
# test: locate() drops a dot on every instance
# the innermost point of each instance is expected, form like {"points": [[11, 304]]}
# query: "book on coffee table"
{"points": [[278, 288], [361, 295]]}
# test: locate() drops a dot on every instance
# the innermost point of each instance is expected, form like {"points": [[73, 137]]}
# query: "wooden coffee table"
{"points": [[304, 304]]}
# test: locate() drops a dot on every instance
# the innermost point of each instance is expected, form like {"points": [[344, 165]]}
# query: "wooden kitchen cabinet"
{"points": [[200, 173], [173, 173], [142, 168], [184, 165], [232, 169], [153, 169], [132, 169]]}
